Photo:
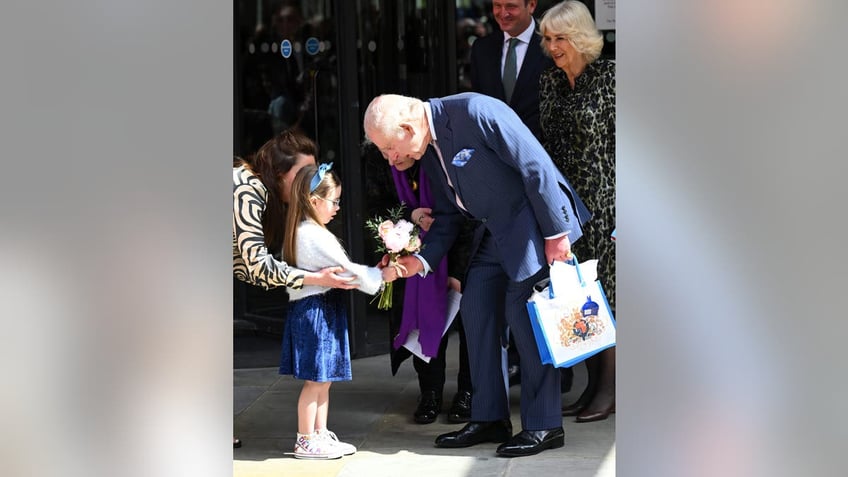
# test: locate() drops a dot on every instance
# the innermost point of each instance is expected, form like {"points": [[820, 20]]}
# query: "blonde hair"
{"points": [[301, 208], [387, 112], [572, 19]]}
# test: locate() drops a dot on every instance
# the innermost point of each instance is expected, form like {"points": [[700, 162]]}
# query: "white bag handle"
{"points": [[556, 277], [567, 277]]}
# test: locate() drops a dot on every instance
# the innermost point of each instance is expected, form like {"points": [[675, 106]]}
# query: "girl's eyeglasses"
{"points": [[334, 202]]}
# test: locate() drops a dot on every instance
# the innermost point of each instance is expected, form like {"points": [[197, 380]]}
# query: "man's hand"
{"points": [[410, 266], [558, 249]]}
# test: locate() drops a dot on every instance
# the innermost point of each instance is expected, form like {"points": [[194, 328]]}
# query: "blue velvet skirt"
{"points": [[315, 341]]}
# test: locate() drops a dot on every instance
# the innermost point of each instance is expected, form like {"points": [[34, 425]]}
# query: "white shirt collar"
{"points": [[526, 35], [429, 113]]}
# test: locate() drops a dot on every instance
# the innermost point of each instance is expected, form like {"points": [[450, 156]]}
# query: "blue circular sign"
{"points": [[286, 48], [312, 45]]}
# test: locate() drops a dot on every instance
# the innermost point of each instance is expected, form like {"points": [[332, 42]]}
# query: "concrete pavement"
{"points": [[374, 413]]}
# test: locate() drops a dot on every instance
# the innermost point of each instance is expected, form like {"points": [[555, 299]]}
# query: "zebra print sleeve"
{"points": [[252, 262]]}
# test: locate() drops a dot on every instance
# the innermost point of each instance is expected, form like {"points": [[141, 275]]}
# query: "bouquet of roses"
{"points": [[396, 237]]}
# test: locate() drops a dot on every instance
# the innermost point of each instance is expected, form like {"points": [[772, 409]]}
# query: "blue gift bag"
{"points": [[571, 317]]}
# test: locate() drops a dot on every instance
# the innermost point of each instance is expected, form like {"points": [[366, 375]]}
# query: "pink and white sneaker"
{"points": [[313, 446], [330, 436]]}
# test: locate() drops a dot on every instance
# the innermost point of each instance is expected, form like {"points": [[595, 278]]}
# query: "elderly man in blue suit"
{"points": [[485, 164]]}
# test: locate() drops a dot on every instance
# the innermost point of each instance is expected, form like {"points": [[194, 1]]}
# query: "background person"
{"points": [[425, 306], [261, 187], [578, 123], [489, 58]]}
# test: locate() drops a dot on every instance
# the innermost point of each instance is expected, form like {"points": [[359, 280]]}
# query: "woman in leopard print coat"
{"points": [[577, 107]]}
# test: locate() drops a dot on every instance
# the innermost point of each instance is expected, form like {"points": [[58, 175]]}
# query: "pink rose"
{"points": [[384, 228], [396, 239], [404, 226], [414, 245]]}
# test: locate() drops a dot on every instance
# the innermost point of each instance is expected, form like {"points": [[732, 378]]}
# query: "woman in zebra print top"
{"points": [[261, 186]]}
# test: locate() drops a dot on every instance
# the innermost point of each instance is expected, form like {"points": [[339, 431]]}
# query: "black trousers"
{"points": [[431, 376]]}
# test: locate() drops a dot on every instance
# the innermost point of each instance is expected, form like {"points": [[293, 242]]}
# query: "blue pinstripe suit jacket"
{"points": [[504, 178]]}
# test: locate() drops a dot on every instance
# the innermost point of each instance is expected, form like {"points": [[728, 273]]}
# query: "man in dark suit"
{"points": [[490, 57], [485, 164]]}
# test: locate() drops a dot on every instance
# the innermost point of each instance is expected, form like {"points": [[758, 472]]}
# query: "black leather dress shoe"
{"points": [[532, 442], [429, 407], [588, 415], [460, 410], [475, 433]]}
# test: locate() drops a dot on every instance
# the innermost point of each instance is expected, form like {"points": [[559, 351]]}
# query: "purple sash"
{"points": [[425, 299]]}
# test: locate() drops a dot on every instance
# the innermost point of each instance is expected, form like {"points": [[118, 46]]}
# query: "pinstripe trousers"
{"points": [[490, 303]]}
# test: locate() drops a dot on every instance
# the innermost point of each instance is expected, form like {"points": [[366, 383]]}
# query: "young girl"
{"points": [[315, 341]]}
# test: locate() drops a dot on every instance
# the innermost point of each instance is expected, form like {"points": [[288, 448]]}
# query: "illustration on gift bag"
{"points": [[570, 315], [581, 324]]}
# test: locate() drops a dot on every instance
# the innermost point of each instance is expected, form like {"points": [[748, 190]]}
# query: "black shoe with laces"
{"points": [[429, 407], [475, 433], [460, 410]]}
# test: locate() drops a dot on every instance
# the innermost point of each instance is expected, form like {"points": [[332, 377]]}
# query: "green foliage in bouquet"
{"points": [[396, 237]]}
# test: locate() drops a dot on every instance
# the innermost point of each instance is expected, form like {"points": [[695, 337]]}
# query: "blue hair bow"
{"points": [[319, 176]]}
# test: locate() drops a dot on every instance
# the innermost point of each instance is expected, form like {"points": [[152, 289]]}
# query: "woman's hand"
{"points": [[328, 277], [422, 217]]}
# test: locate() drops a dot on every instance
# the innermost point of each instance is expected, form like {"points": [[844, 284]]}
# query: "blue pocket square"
{"points": [[462, 157]]}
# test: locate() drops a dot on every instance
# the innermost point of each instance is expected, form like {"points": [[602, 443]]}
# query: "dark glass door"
{"points": [[316, 65], [286, 72], [286, 76]]}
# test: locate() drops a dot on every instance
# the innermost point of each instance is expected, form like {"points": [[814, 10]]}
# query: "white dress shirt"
{"points": [[520, 48]]}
